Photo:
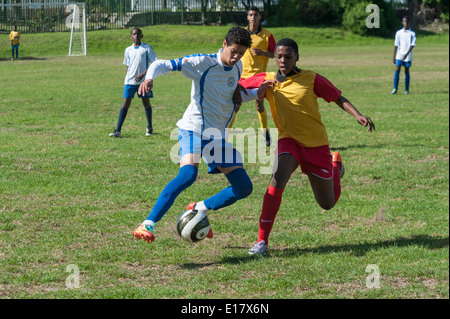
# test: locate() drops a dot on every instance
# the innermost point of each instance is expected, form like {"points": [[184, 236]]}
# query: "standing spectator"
{"points": [[405, 41], [137, 58], [14, 36]]}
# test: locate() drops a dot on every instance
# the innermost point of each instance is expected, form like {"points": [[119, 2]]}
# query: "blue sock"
{"points": [[396, 79], [185, 178], [148, 113], [407, 79], [241, 187], [122, 116]]}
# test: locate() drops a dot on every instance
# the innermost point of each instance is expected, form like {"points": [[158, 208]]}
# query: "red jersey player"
{"points": [[302, 138]]}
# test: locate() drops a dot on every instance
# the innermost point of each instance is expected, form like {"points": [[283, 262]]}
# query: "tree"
{"points": [[247, 4]]}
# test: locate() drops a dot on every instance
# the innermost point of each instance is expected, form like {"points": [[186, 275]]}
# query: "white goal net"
{"points": [[77, 22], [46, 28]]}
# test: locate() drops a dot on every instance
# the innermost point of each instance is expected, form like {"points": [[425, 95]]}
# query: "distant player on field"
{"points": [[302, 138], [137, 58], [405, 41], [14, 36], [256, 59], [202, 128]]}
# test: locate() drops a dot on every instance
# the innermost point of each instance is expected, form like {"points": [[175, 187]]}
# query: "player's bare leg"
{"points": [[327, 191]]}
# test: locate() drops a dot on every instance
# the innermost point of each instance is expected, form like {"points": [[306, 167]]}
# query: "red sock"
{"points": [[337, 180], [271, 204]]}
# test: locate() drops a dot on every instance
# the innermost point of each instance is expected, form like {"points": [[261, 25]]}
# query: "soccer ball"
{"points": [[193, 225]]}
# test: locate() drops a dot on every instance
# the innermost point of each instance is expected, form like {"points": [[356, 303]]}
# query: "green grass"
{"points": [[71, 195], [186, 39]]}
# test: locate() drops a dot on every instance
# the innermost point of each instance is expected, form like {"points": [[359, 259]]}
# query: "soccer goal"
{"points": [[77, 22], [46, 28]]}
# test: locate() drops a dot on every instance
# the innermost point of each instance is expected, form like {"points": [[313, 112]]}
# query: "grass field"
{"points": [[70, 196]]}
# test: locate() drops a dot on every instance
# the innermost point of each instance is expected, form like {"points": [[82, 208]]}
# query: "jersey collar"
{"points": [[281, 78], [256, 32]]}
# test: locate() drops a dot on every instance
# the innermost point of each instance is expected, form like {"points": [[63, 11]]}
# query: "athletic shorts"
{"points": [[316, 160], [215, 152], [130, 90], [403, 63]]}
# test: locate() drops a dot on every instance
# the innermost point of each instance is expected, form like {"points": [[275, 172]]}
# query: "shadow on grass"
{"points": [[23, 58], [360, 249]]}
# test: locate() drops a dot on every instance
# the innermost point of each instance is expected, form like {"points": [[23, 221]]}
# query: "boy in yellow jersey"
{"points": [[255, 61], [302, 138], [14, 36]]}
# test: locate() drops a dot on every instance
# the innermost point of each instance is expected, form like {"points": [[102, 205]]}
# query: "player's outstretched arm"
{"points": [[247, 95], [347, 106]]}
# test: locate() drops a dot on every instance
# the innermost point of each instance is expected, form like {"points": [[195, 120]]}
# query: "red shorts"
{"points": [[316, 160]]}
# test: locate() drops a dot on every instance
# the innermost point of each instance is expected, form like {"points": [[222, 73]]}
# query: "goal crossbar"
{"points": [[40, 4]]}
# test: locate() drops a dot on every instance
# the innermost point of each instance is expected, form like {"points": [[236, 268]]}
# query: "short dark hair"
{"points": [[139, 30], [254, 8], [407, 18], [288, 43], [239, 36]]}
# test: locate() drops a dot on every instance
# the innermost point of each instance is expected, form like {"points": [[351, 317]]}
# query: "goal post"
{"points": [[77, 21], [64, 25]]}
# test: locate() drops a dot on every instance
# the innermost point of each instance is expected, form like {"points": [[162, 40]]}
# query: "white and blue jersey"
{"points": [[137, 59], [213, 85], [404, 39]]}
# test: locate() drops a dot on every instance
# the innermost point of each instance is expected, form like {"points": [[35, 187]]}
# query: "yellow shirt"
{"points": [[294, 105], [14, 36], [253, 64]]}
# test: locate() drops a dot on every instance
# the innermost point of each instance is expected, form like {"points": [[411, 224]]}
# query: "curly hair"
{"points": [[238, 35]]}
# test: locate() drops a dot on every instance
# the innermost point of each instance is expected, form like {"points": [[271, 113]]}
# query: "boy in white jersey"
{"points": [[202, 129], [137, 58], [405, 41]]}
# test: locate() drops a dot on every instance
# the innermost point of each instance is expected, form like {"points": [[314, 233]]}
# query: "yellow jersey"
{"points": [[294, 106], [253, 64], [14, 36]]}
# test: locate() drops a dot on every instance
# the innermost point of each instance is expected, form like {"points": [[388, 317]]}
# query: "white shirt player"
{"points": [[137, 59], [213, 85], [403, 40]]}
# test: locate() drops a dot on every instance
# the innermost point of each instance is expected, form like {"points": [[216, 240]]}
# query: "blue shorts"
{"points": [[403, 63], [15, 46], [215, 152], [130, 90]]}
